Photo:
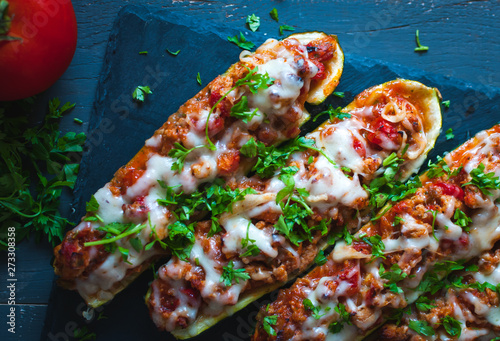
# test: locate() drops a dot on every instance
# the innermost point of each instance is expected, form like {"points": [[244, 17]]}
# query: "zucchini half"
{"points": [[76, 264], [425, 99], [426, 243]]}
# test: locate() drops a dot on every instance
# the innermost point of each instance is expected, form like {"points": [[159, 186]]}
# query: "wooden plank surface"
{"points": [[462, 36]]}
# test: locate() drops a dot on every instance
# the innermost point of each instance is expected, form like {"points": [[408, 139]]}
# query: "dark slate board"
{"points": [[119, 127]]}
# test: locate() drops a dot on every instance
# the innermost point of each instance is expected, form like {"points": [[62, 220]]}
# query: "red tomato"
{"points": [[47, 29]]}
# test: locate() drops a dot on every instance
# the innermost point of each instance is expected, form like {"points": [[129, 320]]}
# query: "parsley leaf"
{"points": [[344, 235], [92, 206], [140, 93], [268, 322], [274, 14], [173, 53], [344, 318], [452, 326], [253, 22], [198, 78], [333, 113], [180, 239], [286, 28], [249, 244], [376, 244], [315, 310], [424, 304], [249, 149], [446, 104], [393, 276], [180, 153], [240, 110], [461, 219], [143, 52], [484, 181], [449, 134], [339, 94], [419, 48], [231, 274], [421, 327], [320, 258], [241, 42]]}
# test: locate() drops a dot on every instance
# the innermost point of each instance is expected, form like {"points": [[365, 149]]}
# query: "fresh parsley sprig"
{"points": [[36, 165]]}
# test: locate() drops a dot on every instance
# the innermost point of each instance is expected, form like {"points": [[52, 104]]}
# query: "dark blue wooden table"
{"points": [[463, 41]]}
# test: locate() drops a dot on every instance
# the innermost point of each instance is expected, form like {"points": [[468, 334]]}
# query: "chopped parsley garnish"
{"points": [[268, 322], [214, 198], [249, 149], [253, 22], [314, 310], [141, 92], [393, 276], [386, 187], [173, 53], [438, 277], [333, 113], [35, 168], [397, 314], [180, 153], [84, 334], [397, 220], [376, 244], [241, 42], [434, 214], [293, 223], [154, 235], [286, 28], [320, 258], [78, 121], [143, 52], [424, 304], [344, 318], [452, 326], [419, 48], [339, 94], [449, 134], [344, 235], [230, 274], [484, 181], [461, 219], [240, 110], [198, 78], [381, 213], [440, 168], [254, 81], [180, 239], [421, 327], [249, 244], [274, 14], [446, 104], [92, 206]]}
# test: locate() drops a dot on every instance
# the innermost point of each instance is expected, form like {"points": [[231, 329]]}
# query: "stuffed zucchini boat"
{"points": [[261, 98], [450, 215], [464, 305], [277, 229]]}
